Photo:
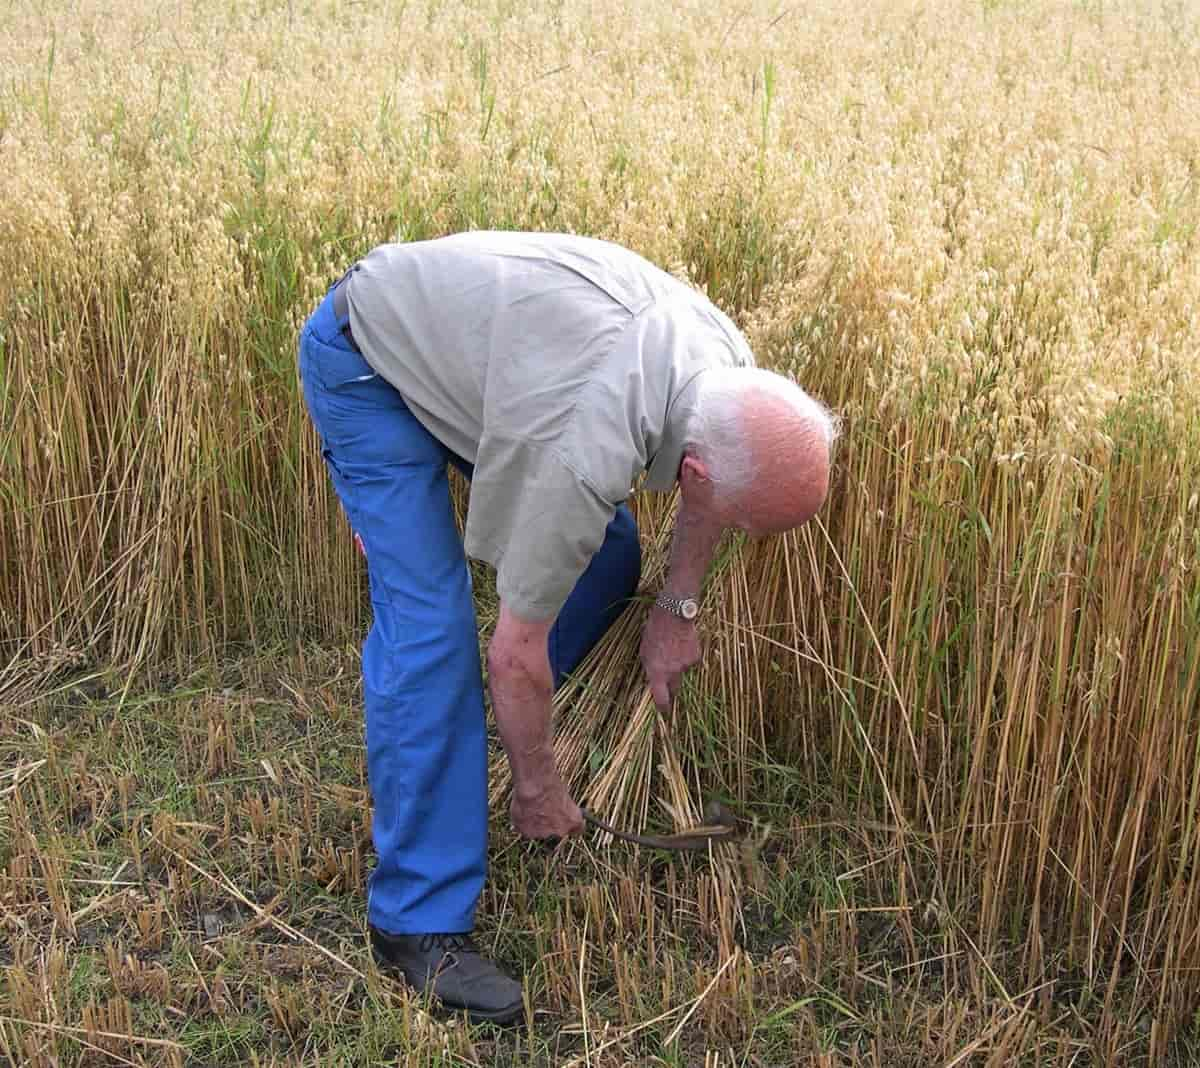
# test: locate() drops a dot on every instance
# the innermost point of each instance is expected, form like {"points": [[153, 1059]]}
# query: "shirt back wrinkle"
{"points": [[629, 304], [587, 381]]}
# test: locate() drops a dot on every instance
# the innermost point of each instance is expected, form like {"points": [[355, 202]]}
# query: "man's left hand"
{"points": [[670, 646]]}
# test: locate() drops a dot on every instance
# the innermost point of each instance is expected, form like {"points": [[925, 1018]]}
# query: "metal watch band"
{"points": [[682, 607]]}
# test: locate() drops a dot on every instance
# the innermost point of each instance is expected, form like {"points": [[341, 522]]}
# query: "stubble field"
{"points": [[958, 715]]}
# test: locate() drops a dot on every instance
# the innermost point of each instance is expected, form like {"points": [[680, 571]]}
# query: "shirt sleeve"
{"points": [[536, 520]]}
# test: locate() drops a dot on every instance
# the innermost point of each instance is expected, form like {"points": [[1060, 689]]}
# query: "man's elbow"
{"points": [[518, 660]]}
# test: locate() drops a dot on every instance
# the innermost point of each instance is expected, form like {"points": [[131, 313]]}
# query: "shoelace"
{"points": [[448, 943]]}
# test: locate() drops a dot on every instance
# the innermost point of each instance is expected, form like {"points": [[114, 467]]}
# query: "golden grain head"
{"points": [[970, 227], [978, 190]]}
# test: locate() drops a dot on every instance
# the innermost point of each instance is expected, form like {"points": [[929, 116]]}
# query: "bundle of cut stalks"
{"points": [[638, 767]]}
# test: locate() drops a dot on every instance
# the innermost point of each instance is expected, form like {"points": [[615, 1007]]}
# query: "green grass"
{"points": [[833, 965]]}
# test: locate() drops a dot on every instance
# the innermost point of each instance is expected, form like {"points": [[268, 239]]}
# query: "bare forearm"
{"points": [[692, 547], [521, 704], [522, 691]]}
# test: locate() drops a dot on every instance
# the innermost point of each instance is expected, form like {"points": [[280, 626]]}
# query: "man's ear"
{"points": [[692, 471]]}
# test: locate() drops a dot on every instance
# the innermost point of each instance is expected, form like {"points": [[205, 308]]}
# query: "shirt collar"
{"points": [[703, 337], [664, 467]]}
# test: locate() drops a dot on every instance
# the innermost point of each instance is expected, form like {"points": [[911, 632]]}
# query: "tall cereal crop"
{"points": [[971, 228]]}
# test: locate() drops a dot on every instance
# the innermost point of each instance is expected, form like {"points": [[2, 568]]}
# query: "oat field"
{"points": [[959, 715]]}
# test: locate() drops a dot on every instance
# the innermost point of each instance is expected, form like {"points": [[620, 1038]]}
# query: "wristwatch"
{"points": [[683, 607]]}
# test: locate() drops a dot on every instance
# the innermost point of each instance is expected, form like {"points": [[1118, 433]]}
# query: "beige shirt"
{"points": [[562, 367]]}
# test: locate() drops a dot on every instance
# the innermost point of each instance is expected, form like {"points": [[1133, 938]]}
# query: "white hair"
{"points": [[716, 432]]}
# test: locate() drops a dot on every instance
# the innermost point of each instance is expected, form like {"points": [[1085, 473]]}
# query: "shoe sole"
{"points": [[507, 1015], [499, 1016]]}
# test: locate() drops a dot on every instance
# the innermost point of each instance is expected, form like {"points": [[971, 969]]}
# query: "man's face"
{"points": [[777, 499], [762, 509]]}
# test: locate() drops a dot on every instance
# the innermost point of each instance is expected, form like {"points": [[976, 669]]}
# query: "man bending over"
{"points": [[552, 370]]}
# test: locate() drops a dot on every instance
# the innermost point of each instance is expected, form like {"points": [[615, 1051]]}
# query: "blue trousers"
{"points": [[422, 683]]}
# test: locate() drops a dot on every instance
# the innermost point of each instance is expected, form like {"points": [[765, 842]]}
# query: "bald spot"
{"points": [[789, 459]]}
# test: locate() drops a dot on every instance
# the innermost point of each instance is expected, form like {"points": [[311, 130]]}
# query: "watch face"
{"points": [[689, 608]]}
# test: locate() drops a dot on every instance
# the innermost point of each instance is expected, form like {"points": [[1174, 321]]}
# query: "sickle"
{"points": [[719, 824]]}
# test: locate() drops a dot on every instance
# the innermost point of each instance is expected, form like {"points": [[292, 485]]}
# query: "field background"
{"points": [[959, 713]]}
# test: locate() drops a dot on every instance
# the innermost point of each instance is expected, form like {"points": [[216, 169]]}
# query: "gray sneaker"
{"points": [[451, 967]]}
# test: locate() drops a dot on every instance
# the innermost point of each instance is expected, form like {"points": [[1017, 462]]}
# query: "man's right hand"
{"points": [[522, 691], [544, 810]]}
